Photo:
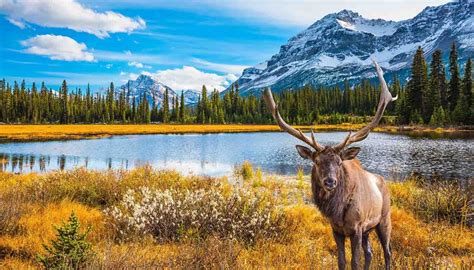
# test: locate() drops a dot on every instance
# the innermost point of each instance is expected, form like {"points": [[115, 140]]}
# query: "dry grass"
{"points": [[37, 202], [72, 132]]}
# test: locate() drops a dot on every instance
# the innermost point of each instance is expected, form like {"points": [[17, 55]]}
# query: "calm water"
{"points": [[216, 154]]}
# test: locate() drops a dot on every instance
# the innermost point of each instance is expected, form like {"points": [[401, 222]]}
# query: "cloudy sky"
{"points": [[184, 44]]}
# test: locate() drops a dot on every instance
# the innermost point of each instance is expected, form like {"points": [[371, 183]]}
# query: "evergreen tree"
{"points": [[204, 106], [64, 104], [436, 82], [417, 88], [454, 82], [467, 84], [70, 249], [182, 109], [166, 110]]}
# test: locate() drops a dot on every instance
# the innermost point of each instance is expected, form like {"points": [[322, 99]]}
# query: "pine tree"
{"points": [[436, 82], [166, 110], [454, 82], [417, 88], [182, 109], [70, 249], [204, 105], [467, 84], [64, 104], [111, 103]]}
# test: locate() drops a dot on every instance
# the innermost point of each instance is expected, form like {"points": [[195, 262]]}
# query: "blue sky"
{"points": [[184, 44]]}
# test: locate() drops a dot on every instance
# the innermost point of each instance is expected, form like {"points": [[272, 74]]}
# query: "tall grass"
{"points": [[160, 219], [436, 200]]}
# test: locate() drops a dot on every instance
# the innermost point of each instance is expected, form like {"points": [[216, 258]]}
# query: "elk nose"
{"points": [[330, 183]]}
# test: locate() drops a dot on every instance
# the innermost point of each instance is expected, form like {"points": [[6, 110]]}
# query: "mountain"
{"points": [[340, 46], [154, 91]]}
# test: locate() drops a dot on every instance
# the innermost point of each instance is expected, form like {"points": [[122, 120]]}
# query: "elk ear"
{"points": [[304, 152], [350, 153]]}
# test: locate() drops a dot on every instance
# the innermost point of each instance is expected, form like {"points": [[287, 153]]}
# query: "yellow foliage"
{"points": [[47, 199], [37, 227], [16, 264], [90, 131]]}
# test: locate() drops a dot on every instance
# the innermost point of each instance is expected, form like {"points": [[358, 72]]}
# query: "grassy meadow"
{"points": [[146, 218], [11, 133]]}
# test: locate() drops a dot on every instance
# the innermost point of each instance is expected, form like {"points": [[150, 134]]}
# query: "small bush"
{"points": [[246, 171], [258, 178], [70, 250], [174, 215]]}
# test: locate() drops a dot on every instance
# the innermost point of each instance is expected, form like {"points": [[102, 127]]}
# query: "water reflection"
{"points": [[390, 155]]}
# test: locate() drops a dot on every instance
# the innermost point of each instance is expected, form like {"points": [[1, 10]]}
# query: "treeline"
{"points": [[428, 98], [19, 104]]}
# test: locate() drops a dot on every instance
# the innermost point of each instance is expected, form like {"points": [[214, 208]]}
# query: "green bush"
{"points": [[246, 171], [70, 250]]}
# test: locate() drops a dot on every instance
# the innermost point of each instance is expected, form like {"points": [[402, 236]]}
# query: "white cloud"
{"points": [[58, 48], [297, 12], [187, 77], [138, 65], [191, 78], [226, 68], [304, 13], [68, 14]]}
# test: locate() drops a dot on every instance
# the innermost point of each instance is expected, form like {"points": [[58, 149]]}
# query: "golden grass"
{"points": [[307, 242], [93, 131], [37, 228]]}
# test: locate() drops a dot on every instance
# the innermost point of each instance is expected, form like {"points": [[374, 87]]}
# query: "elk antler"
{"points": [[267, 95], [385, 98]]}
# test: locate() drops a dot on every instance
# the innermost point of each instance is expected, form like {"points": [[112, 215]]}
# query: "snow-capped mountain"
{"points": [[340, 46], [191, 96], [154, 91]]}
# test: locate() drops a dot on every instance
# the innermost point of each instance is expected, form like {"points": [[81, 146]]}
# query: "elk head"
{"points": [[327, 160]]}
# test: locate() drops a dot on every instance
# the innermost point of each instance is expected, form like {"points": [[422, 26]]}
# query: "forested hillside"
{"points": [[427, 98]]}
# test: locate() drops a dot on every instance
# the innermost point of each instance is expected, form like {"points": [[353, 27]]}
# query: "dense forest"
{"points": [[427, 98]]}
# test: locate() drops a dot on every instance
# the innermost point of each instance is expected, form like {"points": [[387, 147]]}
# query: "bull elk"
{"points": [[354, 200]]}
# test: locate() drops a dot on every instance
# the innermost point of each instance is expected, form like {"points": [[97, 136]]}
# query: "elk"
{"points": [[354, 201]]}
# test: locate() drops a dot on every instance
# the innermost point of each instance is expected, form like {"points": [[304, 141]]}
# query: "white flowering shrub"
{"points": [[173, 214]]}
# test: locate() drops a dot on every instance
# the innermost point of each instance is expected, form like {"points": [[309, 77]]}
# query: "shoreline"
{"points": [[57, 132]]}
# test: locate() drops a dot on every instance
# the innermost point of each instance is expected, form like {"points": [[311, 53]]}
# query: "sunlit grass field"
{"points": [[160, 219], [10, 133]]}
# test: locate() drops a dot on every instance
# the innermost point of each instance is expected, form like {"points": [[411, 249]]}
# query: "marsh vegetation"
{"points": [[145, 218]]}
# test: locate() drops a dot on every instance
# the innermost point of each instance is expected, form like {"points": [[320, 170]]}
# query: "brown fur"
{"points": [[359, 202]]}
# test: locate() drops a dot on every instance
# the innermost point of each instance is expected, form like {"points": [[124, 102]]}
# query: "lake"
{"points": [[390, 155]]}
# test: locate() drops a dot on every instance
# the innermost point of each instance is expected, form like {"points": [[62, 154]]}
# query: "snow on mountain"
{"points": [[341, 45], [154, 91], [191, 97]]}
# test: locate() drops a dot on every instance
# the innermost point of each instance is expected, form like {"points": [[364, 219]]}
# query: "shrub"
{"points": [[258, 178], [70, 250], [11, 210], [246, 170], [435, 200], [174, 215]]}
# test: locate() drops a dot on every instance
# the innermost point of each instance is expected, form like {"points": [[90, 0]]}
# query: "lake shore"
{"points": [[21, 133], [286, 228]]}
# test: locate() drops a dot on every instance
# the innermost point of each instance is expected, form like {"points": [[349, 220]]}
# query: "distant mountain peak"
{"points": [[154, 91], [340, 46]]}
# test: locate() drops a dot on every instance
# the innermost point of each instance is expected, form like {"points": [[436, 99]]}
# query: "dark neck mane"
{"points": [[333, 204]]}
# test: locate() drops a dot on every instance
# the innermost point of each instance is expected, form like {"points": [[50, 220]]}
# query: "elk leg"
{"points": [[367, 250], [383, 232], [356, 242], [341, 252]]}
